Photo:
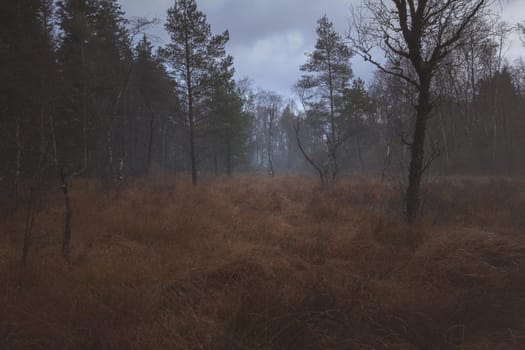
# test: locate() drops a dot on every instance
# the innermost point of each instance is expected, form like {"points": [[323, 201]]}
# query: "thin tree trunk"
{"points": [[150, 141], [360, 154], [163, 146], [194, 173], [18, 160], [269, 148], [53, 140], [124, 162], [191, 120], [308, 159], [84, 109], [332, 145], [418, 153], [228, 158], [110, 149], [445, 139], [66, 244], [30, 219], [495, 131], [42, 130], [32, 205]]}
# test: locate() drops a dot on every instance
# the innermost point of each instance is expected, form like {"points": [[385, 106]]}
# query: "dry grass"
{"points": [[256, 263]]}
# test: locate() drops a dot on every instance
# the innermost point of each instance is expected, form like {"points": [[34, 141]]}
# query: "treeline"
{"points": [[85, 93], [476, 126]]}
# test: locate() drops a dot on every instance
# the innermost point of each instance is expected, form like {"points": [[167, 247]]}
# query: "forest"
{"points": [[152, 199]]}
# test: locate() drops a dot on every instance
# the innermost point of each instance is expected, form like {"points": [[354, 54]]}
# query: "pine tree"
{"points": [[194, 54], [94, 57], [323, 85], [228, 126], [154, 101], [26, 69]]}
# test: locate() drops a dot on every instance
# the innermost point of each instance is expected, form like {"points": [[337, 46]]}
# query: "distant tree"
{"points": [[269, 107], [193, 53], [93, 57], [521, 31], [322, 88], [227, 127], [393, 100], [27, 93], [154, 100], [496, 106], [287, 123], [27, 71], [357, 119], [423, 33]]}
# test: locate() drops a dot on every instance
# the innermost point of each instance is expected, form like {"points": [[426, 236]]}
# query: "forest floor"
{"points": [[260, 263]]}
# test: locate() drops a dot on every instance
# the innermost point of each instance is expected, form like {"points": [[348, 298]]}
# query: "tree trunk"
{"points": [[445, 139], [360, 154], [150, 141], [163, 146], [269, 149], [66, 244], [418, 153], [30, 219], [308, 159], [18, 159], [109, 145], [194, 173], [332, 145], [215, 164], [125, 157], [191, 119], [228, 158], [84, 109]]}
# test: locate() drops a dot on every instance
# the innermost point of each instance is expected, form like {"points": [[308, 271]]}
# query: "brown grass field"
{"points": [[259, 263]]}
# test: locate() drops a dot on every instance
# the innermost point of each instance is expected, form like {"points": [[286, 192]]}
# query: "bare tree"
{"points": [[268, 108], [423, 33]]}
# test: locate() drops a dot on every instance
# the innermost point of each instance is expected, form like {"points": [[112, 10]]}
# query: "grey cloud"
{"points": [[268, 38]]}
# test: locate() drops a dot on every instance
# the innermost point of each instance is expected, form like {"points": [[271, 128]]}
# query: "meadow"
{"points": [[252, 262]]}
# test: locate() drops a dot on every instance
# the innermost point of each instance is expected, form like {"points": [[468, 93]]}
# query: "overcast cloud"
{"points": [[269, 38]]}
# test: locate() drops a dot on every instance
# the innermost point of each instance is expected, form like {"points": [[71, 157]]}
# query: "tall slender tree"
{"points": [[327, 74], [194, 53]]}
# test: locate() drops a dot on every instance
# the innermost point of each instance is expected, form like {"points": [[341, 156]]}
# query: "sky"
{"points": [[269, 38]]}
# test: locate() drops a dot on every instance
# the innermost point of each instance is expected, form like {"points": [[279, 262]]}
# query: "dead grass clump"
{"points": [[480, 202], [260, 263], [449, 294], [394, 232], [320, 208]]}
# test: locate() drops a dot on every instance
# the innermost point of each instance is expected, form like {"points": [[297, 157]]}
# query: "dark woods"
{"points": [[378, 214], [85, 93]]}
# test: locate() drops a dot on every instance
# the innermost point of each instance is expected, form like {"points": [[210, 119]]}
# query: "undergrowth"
{"points": [[259, 263]]}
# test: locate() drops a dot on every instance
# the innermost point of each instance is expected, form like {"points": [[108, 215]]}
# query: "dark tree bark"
{"points": [[420, 35], [417, 149], [65, 186], [150, 140]]}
